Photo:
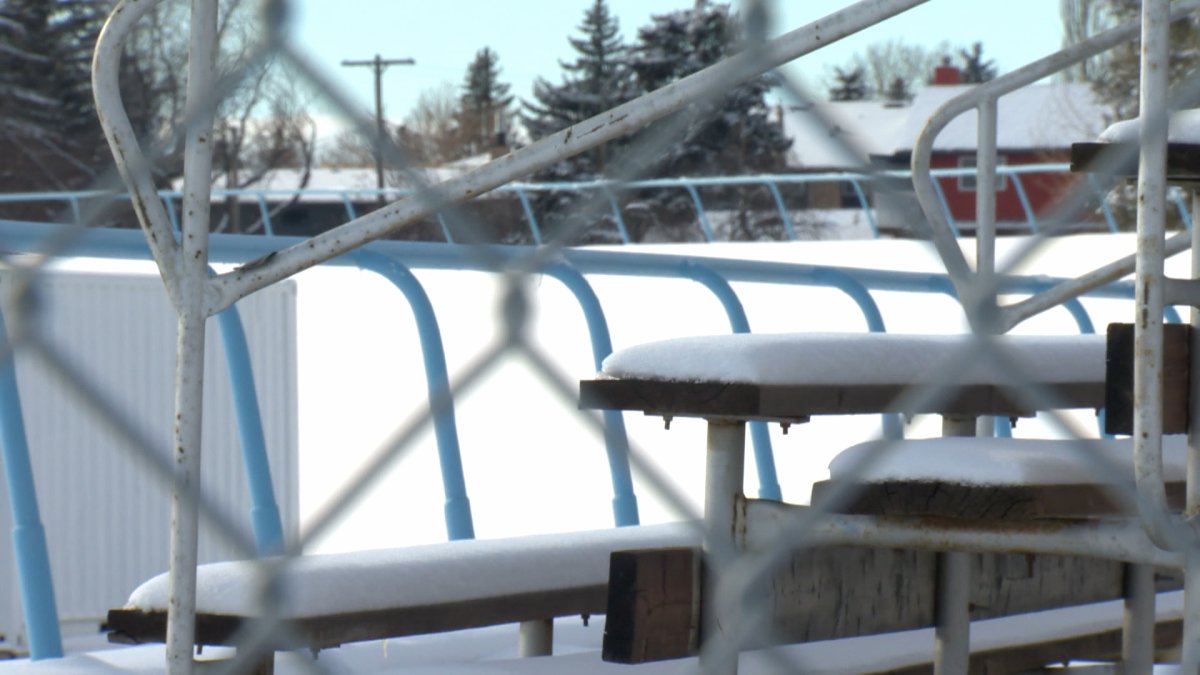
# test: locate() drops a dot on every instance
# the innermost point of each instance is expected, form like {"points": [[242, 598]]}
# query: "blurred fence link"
{"points": [[177, 229]]}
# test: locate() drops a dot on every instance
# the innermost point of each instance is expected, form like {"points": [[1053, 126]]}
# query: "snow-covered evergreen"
{"points": [[731, 134], [484, 106], [597, 79], [47, 118]]}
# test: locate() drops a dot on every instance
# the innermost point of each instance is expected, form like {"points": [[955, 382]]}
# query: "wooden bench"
{"points": [[330, 600], [730, 379]]}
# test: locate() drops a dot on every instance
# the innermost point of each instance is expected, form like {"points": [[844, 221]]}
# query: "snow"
{"points": [[532, 467], [317, 585], [999, 461], [492, 650], [1184, 127], [849, 358], [1036, 117], [326, 184]]}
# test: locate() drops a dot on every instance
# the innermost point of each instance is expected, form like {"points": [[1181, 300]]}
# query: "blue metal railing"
{"points": [[858, 183], [394, 260]]}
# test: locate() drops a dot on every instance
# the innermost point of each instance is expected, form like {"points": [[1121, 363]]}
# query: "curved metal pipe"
{"points": [[459, 524], [28, 536], [122, 140], [264, 510], [616, 440], [764, 455]]}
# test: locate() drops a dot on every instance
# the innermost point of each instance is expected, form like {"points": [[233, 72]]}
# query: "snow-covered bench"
{"points": [[328, 600], [790, 377], [731, 379], [996, 478]]}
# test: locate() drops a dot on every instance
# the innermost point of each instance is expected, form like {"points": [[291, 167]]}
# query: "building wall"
{"points": [[106, 517], [1042, 189]]}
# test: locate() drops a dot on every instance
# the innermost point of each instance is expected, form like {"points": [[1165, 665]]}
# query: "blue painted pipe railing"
{"points": [[616, 441], [28, 535], [764, 455], [457, 507], [264, 510], [856, 181], [857, 283]]}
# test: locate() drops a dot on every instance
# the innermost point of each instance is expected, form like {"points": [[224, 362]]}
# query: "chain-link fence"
{"points": [[741, 602]]}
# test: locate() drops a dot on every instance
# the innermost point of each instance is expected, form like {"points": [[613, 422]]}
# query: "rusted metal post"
{"points": [[1138, 642], [723, 479], [952, 632], [1151, 226], [1137, 633], [985, 195], [189, 360]]}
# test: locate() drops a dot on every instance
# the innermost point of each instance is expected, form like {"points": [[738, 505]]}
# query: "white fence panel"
{"points": [[106, 518]]}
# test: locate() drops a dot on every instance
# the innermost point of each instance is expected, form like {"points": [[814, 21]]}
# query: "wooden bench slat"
{"points": [[138, 626], [986, 502], [799, 402]]}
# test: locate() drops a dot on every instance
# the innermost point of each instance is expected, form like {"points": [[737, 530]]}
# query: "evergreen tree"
{"points": [[975, 69], [597, 80], [731, 134], [1116, 77], [848, 85], [484, 104], [48, 127]]}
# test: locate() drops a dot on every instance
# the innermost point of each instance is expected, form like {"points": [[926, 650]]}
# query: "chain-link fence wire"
{"points": [[742, 574]]}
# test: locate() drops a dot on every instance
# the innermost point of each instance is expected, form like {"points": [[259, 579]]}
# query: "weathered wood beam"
{"points": [[827, 593]]}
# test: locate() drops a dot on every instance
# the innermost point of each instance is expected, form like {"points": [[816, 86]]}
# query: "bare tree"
{"points": [[1114, 75], [257, 96], [883, 63], [349, 149], [431, 132]]}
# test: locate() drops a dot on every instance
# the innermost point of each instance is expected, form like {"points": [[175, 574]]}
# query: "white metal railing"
{"points": [[183, 263]]}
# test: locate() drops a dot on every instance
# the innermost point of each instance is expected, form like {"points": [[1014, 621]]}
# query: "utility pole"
{"points": [[379, 64]]}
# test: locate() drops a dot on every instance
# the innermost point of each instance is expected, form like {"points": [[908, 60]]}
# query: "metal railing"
{"points": [[862, 185], [183, 248]]}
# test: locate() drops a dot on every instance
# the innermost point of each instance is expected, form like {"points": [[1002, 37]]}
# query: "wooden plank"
{"points": [[319, 632], [1120, 160], [798, 402], [1118, 413], [653, 605], [999, 502], [829, 593]]}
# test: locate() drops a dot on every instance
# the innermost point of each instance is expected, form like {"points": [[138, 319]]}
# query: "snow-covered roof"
{"points": [[1036, 117], [325, 183]]}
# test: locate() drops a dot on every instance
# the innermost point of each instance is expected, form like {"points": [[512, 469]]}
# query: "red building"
{"points": [[1036, 125]]}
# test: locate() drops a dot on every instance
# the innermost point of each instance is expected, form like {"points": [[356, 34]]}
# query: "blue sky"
{"points": [[530, 37]]}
